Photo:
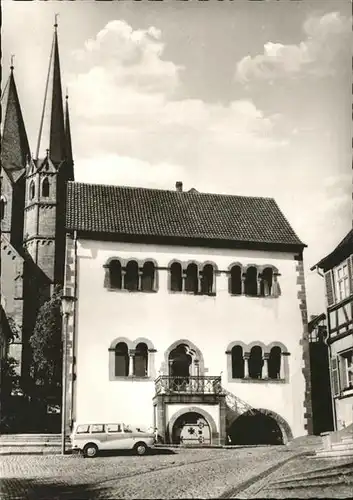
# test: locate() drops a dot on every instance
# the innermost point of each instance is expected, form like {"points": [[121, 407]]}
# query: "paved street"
{"points": [[205, 473]]}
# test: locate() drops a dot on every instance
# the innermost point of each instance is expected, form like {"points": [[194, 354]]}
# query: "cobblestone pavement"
{"points": [[305, 477], [185, 473]]}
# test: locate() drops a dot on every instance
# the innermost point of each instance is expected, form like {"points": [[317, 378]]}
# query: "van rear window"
{"points": [[82, 429], [97, 428], [113, 428]]}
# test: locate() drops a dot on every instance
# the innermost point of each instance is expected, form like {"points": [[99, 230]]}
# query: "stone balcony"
{"points": [[191, 385]]}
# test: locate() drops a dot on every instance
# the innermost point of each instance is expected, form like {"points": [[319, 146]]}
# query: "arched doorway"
{"points": [[191, 428], [180, 360], [256, 427]]}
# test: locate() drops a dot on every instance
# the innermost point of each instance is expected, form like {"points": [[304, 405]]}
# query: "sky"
{"points": [[236, 97]]}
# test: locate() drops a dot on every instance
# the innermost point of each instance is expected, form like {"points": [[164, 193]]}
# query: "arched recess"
{"points": [[198, 356], [268, 347], [284, 427], [194, 409], [127, 341], [151, 355]]}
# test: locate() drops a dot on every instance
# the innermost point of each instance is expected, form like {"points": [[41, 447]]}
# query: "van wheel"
{"points": [[90, 450], [140, 449]]}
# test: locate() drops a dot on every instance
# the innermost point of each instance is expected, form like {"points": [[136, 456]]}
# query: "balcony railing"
{"points": [[188, 385]]}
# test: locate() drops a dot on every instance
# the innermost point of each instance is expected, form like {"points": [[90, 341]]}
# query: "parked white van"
{"points": [[93, 438]]}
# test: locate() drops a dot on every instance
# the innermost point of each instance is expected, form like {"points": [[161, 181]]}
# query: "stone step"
{"points": [[328, 473], [334, 453], [29, 437], [30, 450], [311, 483]]}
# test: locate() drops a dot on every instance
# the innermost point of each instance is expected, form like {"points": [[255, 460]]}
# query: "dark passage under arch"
{"points": [[255, 428]]}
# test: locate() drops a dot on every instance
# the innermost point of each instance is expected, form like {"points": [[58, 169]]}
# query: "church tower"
{"points": [[14, 154], [47, 176]]}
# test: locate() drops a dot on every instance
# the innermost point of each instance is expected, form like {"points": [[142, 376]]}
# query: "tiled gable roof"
{"points": [[130, 211], [341, 252]]}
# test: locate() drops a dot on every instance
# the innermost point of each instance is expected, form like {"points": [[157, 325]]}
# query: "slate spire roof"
{"points": [[14, 142], [68, 143], [103, 211]]}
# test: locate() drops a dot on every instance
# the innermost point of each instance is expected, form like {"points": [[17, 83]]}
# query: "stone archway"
{"points": [[184, 412], [259, 426]]}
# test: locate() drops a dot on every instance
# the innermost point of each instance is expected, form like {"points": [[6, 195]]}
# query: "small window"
{"points": [[235, 280], [255, 362], [115, 274], [127, 428], [191, 281], [237, 362], [32, 190], [274, 363], [121, 360], [347, 369], [341, 279], [207, 280], [266, 283], [131, 276], [148, 277], [141, 360], [176, 280], [251, 282], [95, 428], [45, 187], [113, 428], [82, 429]]}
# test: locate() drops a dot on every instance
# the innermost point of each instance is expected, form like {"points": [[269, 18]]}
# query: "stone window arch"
{"points": [[207, 279], [191, 278], [45, 187], [237, 357], [255, 362], [274, 362], [31, 190], [140, 362], [176, 277], [121, 360], [235, 280], [115, 275], [131, 278], [148, 276], [2, 207], [250, 283], [197, 366]]}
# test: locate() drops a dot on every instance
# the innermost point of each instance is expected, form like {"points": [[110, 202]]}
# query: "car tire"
{"points": [[90, 450], [140, 449]]}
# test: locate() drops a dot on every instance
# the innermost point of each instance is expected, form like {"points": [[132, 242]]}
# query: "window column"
{"points": [[139, 282], [131, 361], [265, 358], [242, 280], [282, 373], [246, 364]]}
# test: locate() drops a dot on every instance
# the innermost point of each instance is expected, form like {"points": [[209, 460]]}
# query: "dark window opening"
{"points": [[45, 187], [266, 283], [274, 363], [121, 360], [32, 190], [176, 279], [131, 276], [191, 281], [255, 362], [115, 274], [251, 281], [207, 280], [141, 360], [237, 362], [235, 280], [148, 276], [2, 208]]}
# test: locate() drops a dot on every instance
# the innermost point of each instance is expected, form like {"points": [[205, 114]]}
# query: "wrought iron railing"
{"points": [[236, 404], [189, 385]]}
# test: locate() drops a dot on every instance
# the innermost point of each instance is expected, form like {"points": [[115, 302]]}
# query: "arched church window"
{"points": [[176, 280], [148, 276], [115, 274], [131, 276], [251, 281], [141, 360], [191, 281], [255, 362], [32, 190], [274, 363], [45, 187], [237, 362], [266, 283], [121, 360], [235, 280], [207, 280], [2, 207]]}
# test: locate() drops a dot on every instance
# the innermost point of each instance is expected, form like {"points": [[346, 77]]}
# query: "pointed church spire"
{"points": [[14, 143], [55, 137], [68, 143]]}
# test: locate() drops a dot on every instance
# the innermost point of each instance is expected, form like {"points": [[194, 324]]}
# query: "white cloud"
{"points": [[327, 39]]}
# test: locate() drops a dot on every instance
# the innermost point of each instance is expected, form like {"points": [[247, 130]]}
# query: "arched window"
{"points": [[121, 360], [266, 283], [2, 207], [115, 274], [141, 360], [32, 190], [237, 362], [131, 276], [255, 362], [148, 276], [45, 187], [235, 280], [176, 280], [207, 280], [251, 281], [191, 281], [274, 362]]}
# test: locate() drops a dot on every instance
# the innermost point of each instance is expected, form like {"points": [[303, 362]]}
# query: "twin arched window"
{"points": [[194, 280], [255, 364], [253, 283], [133, 362], [130, 277]]}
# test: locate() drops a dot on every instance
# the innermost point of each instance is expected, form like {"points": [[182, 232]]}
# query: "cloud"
{"points": [[327, 40]]}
